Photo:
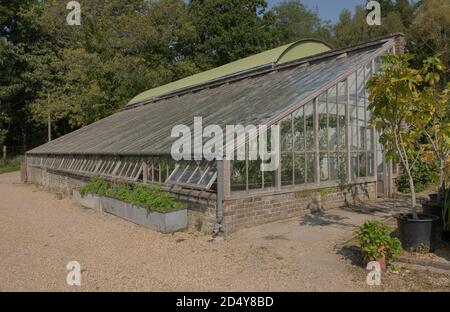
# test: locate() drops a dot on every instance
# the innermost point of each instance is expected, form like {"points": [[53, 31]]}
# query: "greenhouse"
{"points": [[329, 155]]}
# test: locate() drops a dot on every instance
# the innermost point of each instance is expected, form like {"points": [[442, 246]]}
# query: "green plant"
{"points": [[376, 242], [96, 185], [424, 174], [394, 94], [10, 164], [151, 198], [423, 249]]}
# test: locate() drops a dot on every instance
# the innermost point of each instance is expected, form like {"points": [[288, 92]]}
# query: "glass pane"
{"points": [[361, 86], [354, 165], [332, 119], [269, 178], [362, 128], [164, 170], [237, 175], [309, 115], [370, 165], [369, 138], [254, 174], [334, 168], [377, 64], [362, 165], [353, 112], [200, 170], [286, 134], [299, 170], [286, 169], [323, 161], [367, 75], [299, 130], [311, 167], [208, 178], [322, 117], [156, 171], [178, 172], [342, 167], [341, 115], [186, 175]]}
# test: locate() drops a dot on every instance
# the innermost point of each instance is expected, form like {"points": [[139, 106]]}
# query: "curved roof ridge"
{"points": [[296, 50]]}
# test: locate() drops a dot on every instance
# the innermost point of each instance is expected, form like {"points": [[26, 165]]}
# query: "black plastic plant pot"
{"points": [[433, 197], [415, 233], [446, 236], [434, 208]]}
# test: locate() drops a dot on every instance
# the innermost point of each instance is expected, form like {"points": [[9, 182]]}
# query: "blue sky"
{"points": [[328, 9]]}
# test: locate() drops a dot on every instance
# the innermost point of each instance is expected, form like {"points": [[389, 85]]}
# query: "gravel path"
{"points": [[40, 234]]}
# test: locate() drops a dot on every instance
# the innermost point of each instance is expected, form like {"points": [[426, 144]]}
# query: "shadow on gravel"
{"points": [[323, 218], [352, 254]]}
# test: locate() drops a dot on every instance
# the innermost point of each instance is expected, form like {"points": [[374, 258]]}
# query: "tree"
{"points": [[24, 48], [228, 30], [294, 21], [394, 93], [434, 109], [429, 32], [354, 29]]}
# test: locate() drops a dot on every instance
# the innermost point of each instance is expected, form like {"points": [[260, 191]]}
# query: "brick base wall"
{"points": [[237, 213], [240, 213]]}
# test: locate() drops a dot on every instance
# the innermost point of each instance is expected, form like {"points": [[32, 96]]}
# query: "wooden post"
{"points": [[4, 152]]}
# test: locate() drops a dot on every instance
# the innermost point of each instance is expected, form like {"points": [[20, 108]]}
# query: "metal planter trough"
{"points": [[88, 200], [165, 222]]}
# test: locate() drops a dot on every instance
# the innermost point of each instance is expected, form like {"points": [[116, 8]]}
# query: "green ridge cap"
{"points": [[286, 53]]}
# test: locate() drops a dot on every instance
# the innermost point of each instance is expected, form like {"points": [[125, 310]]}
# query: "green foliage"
{"points": [[10, 164], [151, 198], [394, 93], [295, 21], [423, 249], [424, 174], [375, 241], [228, 30], [96, 186]]}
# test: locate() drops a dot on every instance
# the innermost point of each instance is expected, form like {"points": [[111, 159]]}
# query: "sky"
{"points": [[328, 9]]}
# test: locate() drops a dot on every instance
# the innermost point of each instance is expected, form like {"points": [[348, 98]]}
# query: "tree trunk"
{"points": [[441, 189], [413, 194], [49, 127], [24, 139]]}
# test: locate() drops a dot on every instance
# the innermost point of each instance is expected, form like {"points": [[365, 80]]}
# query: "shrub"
{"points": [[424, 174], [10, 164], [96, 186], [151, 198], [375, 241]]}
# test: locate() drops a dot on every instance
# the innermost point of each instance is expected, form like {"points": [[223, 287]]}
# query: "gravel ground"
{"points": [[40, 234]]}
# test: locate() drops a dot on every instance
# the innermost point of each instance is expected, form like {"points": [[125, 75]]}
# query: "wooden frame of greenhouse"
{"points": [[329, 153]]}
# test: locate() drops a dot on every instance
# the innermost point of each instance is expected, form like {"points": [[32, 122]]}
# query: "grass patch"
{"points": [[10, 164], [151, 198]]}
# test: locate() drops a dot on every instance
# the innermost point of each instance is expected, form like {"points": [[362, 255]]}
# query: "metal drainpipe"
{"points": [[219, 198]]}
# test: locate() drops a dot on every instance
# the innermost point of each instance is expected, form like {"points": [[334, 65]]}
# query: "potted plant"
{"points": [[434, 109], [446, 218], [377, 244], [394, 93]]}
